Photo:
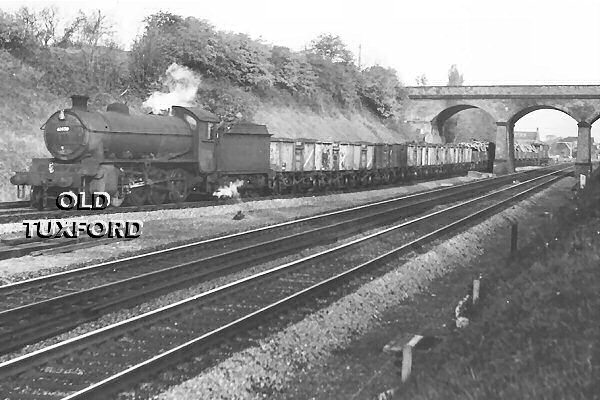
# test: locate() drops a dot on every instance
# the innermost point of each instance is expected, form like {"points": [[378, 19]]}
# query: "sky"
{"points": [[491, 42]]}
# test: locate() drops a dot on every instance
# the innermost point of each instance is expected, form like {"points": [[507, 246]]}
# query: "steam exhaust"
{"points": [[182, 84]]}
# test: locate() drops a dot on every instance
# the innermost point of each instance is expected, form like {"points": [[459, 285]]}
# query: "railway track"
{"points": [[100, 363], [34, 309], [18, 214], [17, 211], [13, 204]]}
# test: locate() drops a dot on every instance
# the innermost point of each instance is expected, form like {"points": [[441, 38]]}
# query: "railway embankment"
{"points": [[537, 333], [337, 351]]}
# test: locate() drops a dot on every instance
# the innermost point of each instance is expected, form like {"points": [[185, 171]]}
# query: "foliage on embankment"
{"points": [[44, 60]]}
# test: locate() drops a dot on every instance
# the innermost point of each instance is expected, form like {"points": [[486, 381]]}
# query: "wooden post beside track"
{"points": [[514, 232], [407, 356], [476, 286]]}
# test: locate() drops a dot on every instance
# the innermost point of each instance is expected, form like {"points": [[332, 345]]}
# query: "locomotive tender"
{"points": [[158, 158]]}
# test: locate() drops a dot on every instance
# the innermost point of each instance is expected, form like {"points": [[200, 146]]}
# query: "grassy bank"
{"points": [[536, 336]]}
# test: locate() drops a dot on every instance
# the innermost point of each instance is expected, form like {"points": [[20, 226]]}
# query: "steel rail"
{"points": [[41, 319], [13, 204], [113, 383], [9, 216], [21, 364], [59, 276], [65, 275]]}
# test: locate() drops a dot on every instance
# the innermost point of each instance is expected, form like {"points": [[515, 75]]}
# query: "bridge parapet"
{"points": [[495, 92]]}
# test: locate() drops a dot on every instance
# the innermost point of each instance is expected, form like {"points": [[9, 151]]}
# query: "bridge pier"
{"points": [[504, 160], [583, 162]]}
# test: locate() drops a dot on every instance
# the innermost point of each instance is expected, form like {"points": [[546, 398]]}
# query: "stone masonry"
{"points": [[429, 107]]}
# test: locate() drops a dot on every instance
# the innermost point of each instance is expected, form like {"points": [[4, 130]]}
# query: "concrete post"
{"points": [[583, 163], [504, 158]]}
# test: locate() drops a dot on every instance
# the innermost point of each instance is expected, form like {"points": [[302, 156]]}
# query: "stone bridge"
{"points": [[429, 107]]}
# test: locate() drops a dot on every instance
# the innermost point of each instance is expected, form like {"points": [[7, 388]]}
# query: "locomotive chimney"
{"points": [[79, 102]]}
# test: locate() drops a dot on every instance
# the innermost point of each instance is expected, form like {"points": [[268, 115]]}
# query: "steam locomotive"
{"points": [[140, 159]]}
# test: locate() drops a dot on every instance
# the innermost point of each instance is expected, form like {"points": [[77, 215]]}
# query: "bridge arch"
{"points": [[440, 122], [529, 109]]}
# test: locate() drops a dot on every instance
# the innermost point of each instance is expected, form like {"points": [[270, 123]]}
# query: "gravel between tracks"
{"points": [[307, 344], [172, 297], [167, 227]]}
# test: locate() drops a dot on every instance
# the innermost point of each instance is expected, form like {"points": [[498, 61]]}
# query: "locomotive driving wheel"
{"points": [[178, 185], [137, 196], [117, 200], [157, 193], [37, 194]]}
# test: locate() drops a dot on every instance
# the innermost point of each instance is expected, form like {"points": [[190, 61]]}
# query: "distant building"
{"points": [[564, 149], [570, 139], [527, 137]]}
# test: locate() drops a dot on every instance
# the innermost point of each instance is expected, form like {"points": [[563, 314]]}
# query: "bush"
{"points": [[14, 35], [378, 90], [227, 102], [337, 80], [196, 44], [292, 72], [69, 71]]}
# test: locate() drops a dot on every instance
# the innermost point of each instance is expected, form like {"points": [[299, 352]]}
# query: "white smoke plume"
{"points": [[229, 191], [182, 83]]}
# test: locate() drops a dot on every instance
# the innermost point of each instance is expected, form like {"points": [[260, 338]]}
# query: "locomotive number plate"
{"points": [[62, 129]]}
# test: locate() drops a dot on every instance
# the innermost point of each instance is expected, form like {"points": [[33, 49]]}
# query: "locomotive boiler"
{"points": [[143, 158]]}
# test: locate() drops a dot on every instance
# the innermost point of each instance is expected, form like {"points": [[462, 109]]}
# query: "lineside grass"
{"points": [[536, 335]]}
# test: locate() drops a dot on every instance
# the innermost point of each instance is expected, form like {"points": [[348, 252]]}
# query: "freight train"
{"points": [[536, 153], [152, 159]]}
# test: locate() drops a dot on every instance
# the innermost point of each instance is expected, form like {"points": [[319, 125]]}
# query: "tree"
{"points": [[28, 19], [48, 21], [292, 72], [196, 44], [339, 81], [155, 49], [421, 80], [67, 39], [455, 78], [94, 29], [14, 36], [379, 90], [41, 25], [93, 36], [331, 48], [163, 21]]}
